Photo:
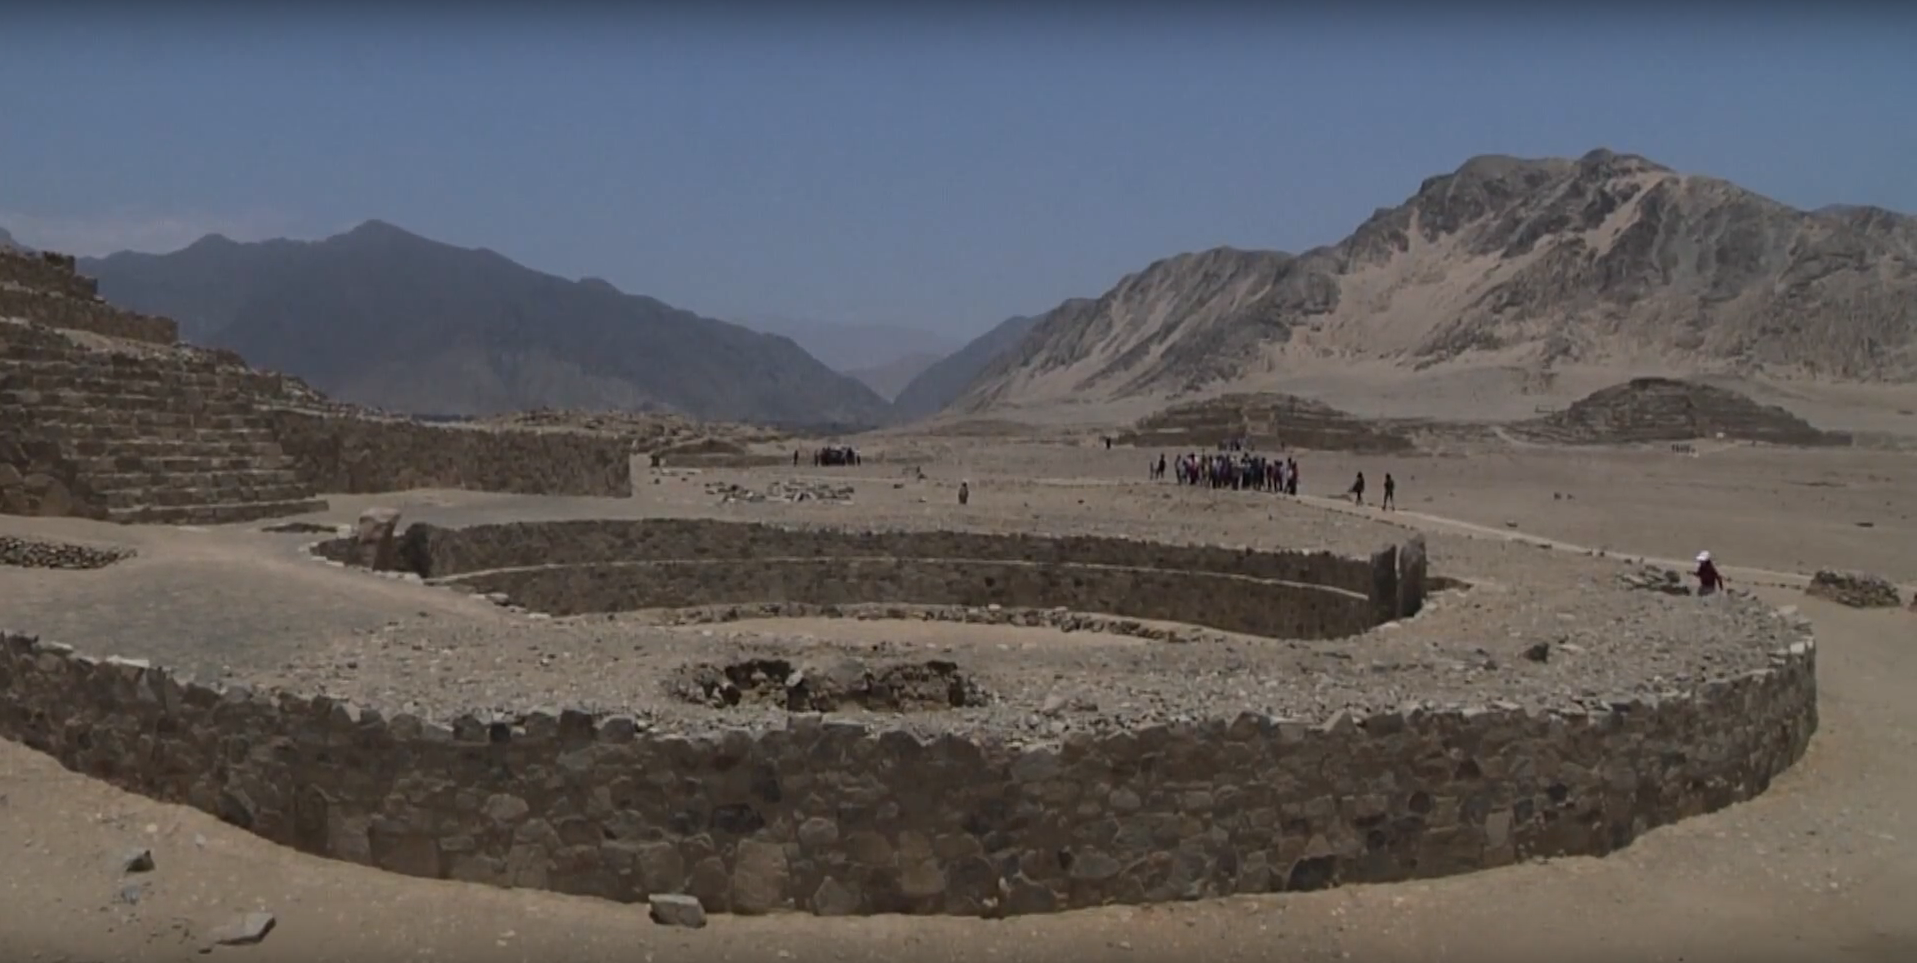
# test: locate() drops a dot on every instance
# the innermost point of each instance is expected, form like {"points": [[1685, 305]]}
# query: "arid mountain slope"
{"points": [[942, 383], [383, 317], [888, 379], [1608, 259]]}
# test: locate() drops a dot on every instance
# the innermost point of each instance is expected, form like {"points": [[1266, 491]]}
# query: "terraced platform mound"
{"points": [[109, 428], [1667, 410], [1266, 421]]}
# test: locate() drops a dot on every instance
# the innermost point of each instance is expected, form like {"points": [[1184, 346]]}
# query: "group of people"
{"points": [[1235, 467], [1237, 470]]}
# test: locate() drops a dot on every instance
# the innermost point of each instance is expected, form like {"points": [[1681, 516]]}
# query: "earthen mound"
{"points": [[1264, 421], [1668, 409]]}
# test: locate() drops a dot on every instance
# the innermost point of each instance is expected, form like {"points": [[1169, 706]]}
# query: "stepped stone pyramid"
{"points": [[1268, 421], [1670, 409], [103, 415]]}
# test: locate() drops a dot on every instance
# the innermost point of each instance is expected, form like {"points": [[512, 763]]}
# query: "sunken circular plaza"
{"points": [[1264, 720]]}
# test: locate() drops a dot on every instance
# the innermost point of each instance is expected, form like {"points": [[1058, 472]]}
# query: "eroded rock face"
{"points": [[374, 544], [1858, 590]]}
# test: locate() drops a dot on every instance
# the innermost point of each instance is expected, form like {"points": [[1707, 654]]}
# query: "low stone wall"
{"points": [[986, 569], [85, 314], [834, 815], [349, 454], [436, 552], [1229, 603]]}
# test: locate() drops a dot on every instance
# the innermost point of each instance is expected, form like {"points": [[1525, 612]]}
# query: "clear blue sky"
{"points": [[935, 169]]}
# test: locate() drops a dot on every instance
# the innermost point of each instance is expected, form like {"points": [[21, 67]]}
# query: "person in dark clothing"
{"points": [[1391, 492], [1709, 582], [1358, 490]]}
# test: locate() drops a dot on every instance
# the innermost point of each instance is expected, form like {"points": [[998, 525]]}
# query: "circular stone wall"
{"points": [[833, 815], [877, 812], [571, 568]]}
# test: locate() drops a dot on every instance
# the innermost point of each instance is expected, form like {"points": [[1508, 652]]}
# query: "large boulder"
{"points": [[1855, 589]]}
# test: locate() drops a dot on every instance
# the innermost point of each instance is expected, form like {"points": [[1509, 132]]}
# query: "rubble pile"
{"points": [[782, 490]]}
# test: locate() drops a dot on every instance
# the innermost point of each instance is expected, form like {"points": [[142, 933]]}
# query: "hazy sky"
{"points": [[936, 169]]}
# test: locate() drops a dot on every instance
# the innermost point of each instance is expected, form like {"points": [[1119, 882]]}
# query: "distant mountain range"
{"points": [[380, 316], [1605, 261], [1608, 260]]}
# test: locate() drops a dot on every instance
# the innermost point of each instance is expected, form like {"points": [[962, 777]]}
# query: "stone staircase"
{"points": [[144, 434]]}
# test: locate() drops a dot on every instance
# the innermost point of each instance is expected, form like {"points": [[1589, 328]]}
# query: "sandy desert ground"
{"points": [[1818, 868]]}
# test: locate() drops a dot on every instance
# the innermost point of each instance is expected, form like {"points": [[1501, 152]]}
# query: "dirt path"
{"points": [[1820, 867]]}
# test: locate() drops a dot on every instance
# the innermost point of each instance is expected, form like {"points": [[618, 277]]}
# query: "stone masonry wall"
{"points": [[46, 271], [836, 815], [1394, 580], [1230, 603], [348, 454], [85, 314], [436, 552]]}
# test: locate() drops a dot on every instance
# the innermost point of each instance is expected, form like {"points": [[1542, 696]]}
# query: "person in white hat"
{"points": [[1708, 581]]}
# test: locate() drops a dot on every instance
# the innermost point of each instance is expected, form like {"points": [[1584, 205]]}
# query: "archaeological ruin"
{"points": [[1199, 720], [103, 414]]}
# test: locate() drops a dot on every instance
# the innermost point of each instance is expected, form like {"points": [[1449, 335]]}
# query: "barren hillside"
{"points": [[1607, 260]]}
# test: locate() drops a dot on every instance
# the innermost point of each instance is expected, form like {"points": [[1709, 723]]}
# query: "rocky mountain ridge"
{"points": [[1606, 259]]}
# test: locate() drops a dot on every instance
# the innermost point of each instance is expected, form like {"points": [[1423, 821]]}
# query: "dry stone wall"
{"points": [[46, 271], [1230, 603], [48, 288], [436, 552], [76, 314], [836, 815], [350, 454], [602, 565]]}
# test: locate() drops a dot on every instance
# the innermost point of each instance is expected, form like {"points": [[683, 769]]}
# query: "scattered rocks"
{"points": [[782, 490], [1856, 589], [673, 909], [1651, 578], [36, 553], [907, 687]]}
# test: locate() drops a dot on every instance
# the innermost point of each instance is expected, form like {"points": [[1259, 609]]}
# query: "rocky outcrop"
{"points": [[1664, 409], [1608, 259], [1856, 589]]}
